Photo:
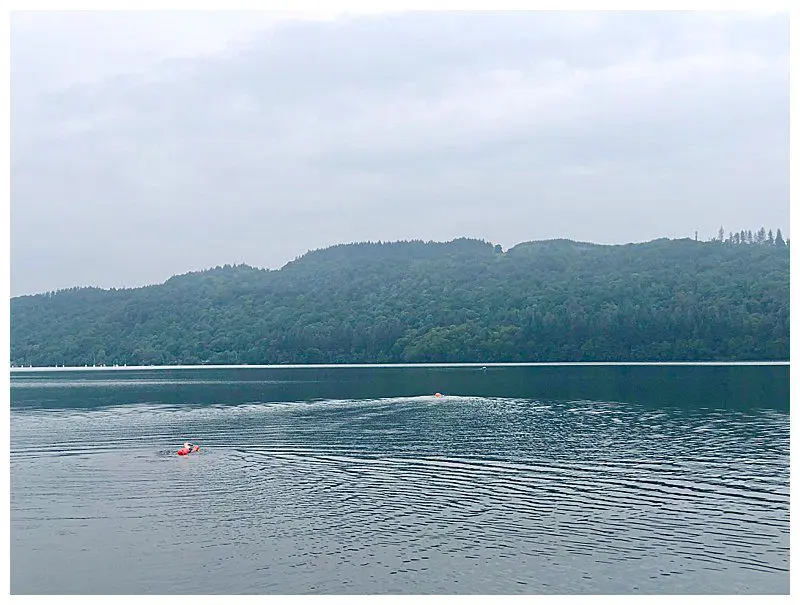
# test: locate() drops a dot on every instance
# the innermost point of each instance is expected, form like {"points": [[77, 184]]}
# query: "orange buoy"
{"points": [[438, 395]]}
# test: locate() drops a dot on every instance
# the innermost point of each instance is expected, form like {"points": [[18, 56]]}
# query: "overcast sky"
{"points": [[150, 144]]}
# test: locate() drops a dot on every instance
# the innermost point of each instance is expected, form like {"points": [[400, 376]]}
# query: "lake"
{"points": [[538, 480]]}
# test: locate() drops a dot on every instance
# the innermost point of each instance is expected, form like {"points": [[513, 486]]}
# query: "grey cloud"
{"points": [[605, 127]]}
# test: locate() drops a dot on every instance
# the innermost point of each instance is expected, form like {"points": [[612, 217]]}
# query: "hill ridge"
{"points": [[415, 301]]}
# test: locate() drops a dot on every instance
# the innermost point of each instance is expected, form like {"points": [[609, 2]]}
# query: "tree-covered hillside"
{"points": [[464, 300]]}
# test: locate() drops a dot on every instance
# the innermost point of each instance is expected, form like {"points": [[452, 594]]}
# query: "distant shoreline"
{"points": [[399, 365]]}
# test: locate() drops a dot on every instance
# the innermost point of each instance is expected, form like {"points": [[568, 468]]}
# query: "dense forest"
{"points": [[415, 301]]}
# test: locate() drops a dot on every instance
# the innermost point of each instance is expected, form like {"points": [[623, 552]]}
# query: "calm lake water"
{"points": [[351, 480]]}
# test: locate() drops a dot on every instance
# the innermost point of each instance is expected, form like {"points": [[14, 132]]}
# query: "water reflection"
{"points": [[599, 480], [730, 387]]}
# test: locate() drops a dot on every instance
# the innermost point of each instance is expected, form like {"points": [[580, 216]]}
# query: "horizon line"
{"points": [[394, 365]]}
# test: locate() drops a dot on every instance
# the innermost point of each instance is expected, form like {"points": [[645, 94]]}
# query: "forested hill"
{"points": [[464, 300]]}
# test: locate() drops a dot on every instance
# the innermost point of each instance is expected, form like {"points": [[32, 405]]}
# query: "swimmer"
{"points": [[187, 448]]}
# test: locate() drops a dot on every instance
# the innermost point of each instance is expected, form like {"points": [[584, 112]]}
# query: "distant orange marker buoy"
{"points": [[438, 395]]}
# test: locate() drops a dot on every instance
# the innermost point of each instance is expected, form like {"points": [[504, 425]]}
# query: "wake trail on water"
{"points": [[410, 480]]}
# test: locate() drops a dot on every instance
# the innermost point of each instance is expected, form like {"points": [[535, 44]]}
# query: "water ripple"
{"points": [[402, 495]]}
